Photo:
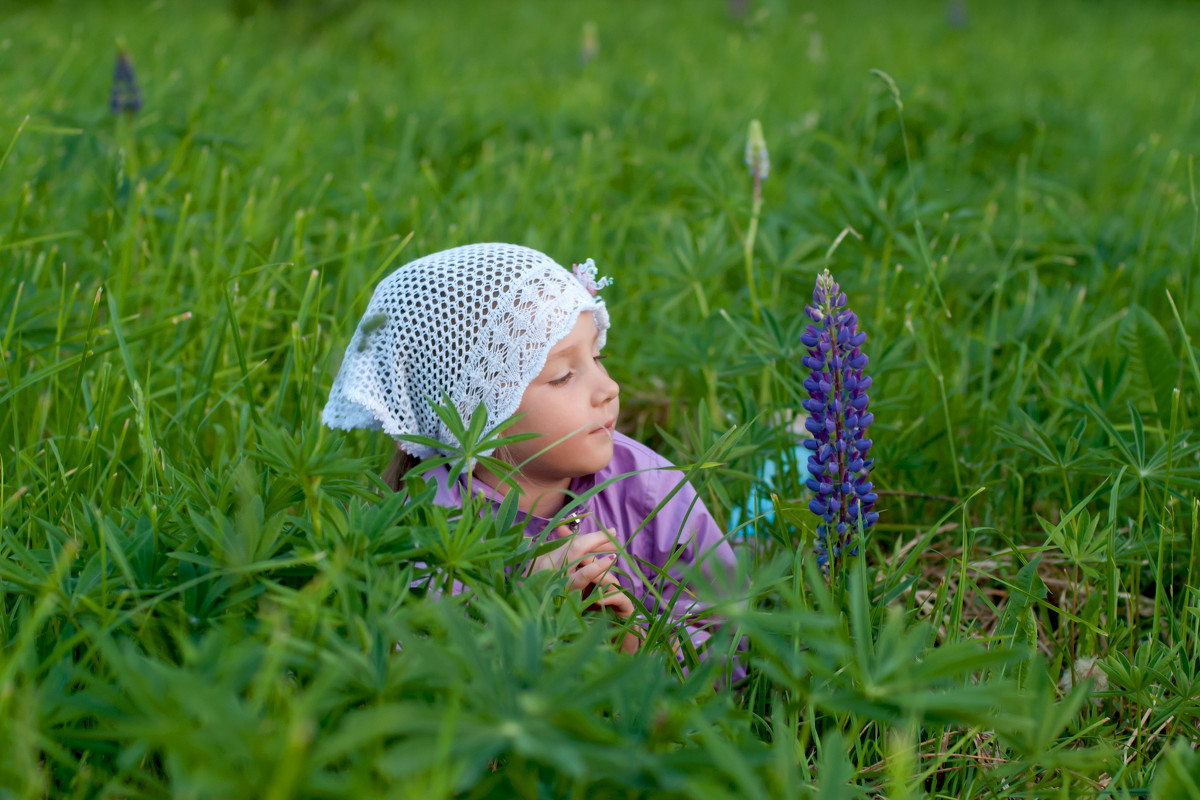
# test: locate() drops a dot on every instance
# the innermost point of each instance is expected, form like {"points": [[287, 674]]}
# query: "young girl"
{"points": [[506, 327]]}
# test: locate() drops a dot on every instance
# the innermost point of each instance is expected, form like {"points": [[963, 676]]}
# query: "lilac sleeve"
{"points": [[684, 527]]}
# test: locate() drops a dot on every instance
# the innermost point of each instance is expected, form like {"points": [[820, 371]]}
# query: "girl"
{"points": [[506, 327]]}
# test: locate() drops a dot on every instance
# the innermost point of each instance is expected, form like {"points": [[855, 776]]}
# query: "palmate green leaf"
{"points": [[360, 729], [365, 529], [465, 545], [887, 673], [1177, 774], [1152, 361], [731, 763], [930, 688], [473, 438], [516, 699], [20, 565], [1040, 734], [195, 715], [246, 538], [1141, 675], [835, 773], [776, 647], [698, 259], [1034, 439], [1104, 389], [304, 455], [1151, 467], [1076, 534]]}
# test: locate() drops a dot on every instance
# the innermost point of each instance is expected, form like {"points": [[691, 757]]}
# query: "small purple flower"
{"points": [[125, 96], [838, 419]]}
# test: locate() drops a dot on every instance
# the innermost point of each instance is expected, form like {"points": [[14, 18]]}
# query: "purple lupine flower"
{"points": [[838, 419], [957, 15], [125, 95]]}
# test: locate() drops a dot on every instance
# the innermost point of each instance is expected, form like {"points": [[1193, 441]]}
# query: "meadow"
{"points": [[202, 589]]}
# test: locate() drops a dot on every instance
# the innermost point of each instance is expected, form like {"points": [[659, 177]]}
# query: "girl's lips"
{"points": [[606, 427]]}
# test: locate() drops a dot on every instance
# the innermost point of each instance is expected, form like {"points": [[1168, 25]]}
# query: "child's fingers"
{"points": [[605, 582], [586, 546], [611, 596], [593, 572], [589, 543], [568, 553], [617, 600], [581, 551]]}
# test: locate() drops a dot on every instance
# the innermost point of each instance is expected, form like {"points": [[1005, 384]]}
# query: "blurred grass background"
{"points": [[178, 285]]}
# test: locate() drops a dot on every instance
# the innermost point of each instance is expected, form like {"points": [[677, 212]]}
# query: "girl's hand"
{"points": [[581, 551], [612, 597], [588, 559]]}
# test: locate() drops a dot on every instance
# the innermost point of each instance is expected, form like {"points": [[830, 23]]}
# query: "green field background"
{"points": [[201, 589]]}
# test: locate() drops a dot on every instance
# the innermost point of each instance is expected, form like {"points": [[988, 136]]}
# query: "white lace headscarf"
{"points": [[474, 322]]}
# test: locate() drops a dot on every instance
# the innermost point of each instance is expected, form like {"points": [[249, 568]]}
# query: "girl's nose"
{"points": [[606, 390]]}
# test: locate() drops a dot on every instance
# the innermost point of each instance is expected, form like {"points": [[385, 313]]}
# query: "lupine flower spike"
{"points": [[758, 160], [125, 96], [589, 45], [838, 419]]}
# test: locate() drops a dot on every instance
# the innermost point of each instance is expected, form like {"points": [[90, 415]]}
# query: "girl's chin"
{"points": [[579, 464], [592, 466], [607, 457]]}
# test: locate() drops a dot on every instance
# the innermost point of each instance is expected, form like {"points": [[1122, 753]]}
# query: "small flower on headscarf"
{"points": [[125, 95], [839, 469], [586, 274]]}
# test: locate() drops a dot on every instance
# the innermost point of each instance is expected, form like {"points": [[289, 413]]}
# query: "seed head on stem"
{"points": [[759, 164], [758, 160]]}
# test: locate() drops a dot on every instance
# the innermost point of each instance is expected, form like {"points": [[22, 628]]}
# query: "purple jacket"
{"points": [[683, 524]]}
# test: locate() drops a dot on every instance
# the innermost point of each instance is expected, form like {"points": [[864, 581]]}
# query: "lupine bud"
{"points": [[125, 95], [757, 159], [589, 45], [844, 497]]}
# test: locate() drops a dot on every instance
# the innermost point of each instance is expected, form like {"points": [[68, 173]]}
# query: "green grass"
{"points": [[201, 590]]}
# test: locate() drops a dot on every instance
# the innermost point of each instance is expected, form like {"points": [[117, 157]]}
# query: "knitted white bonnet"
{"points": [[475, 322]]}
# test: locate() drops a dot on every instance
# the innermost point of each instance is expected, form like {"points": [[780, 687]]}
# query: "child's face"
{"points": [[574, 400]]}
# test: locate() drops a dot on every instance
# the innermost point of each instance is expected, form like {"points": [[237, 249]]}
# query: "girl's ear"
{"points": [[401, 463]]}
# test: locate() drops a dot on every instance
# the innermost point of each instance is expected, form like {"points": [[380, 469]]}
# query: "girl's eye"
{"points": [[562, 380]]}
